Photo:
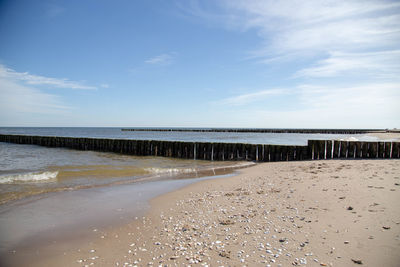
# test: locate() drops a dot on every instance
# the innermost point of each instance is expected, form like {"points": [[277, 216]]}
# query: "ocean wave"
{"points": [[170, 171], [28, 177], [177, 171], [351, 138]]}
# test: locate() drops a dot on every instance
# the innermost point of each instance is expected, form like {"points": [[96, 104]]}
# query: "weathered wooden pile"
{"points": [[316, 149], [257, 130]]}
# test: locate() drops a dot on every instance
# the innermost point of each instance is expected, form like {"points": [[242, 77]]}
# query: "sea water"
{"points": [[27, 170], [217, 137]]}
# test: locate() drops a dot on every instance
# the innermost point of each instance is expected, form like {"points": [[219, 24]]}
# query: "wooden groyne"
{"points": [[314, 150], [258, 130]]}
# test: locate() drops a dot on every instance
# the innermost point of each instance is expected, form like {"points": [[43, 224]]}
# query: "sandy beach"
{"points": [[315, 213], [393, 136]]}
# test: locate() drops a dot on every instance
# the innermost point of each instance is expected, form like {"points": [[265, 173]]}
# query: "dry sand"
{"points": [[394, 136], [315, 213]]}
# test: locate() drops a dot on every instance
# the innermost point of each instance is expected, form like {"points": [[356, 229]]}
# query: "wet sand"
{"points": [[315, 213], [37, 227]]}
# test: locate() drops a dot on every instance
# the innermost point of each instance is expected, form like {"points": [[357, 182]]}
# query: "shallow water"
{"points": [[27, 170], [40, 221]]}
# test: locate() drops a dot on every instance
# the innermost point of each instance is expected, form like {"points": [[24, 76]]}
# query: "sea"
{"points": [[43, 189], [27, 170]]}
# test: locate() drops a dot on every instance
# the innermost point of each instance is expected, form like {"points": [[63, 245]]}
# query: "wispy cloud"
{"points": [[163, 59], [25, 97], [304, 27], [367, 105], [364, 98], [323, 42], [384, 64], [296, 28], [30, 79], [245, 99], [16, 98]]}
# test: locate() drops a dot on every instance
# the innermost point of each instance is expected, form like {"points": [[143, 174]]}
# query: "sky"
{"points": [[219, 63]]}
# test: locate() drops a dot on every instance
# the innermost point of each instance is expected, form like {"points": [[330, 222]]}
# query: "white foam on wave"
{"points": [[170, 171], [175, 171], [353, 139], [29, 177]]}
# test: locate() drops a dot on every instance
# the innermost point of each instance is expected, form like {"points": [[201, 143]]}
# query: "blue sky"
{"points": [[224, 63]]}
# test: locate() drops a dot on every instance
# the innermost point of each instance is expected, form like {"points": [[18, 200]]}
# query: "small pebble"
{"points": [[357, 261]]}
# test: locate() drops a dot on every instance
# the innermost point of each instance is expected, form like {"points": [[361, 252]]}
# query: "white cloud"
{"points": [[23, 102], [367, 105], [16, 98], [363, 106], [163, 59], [364, 98], [296, 27], [30, 79], [350, 41], [374, 64], [244, 99]]}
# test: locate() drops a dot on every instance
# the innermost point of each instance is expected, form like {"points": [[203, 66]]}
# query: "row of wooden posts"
{"points": [[315, 149], [257, 130]]}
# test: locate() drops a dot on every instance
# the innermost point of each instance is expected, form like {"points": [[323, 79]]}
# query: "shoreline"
{"points": [[324, 213], [83, 212], [209, 171]]}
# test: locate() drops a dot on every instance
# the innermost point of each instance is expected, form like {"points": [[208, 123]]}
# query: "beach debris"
{"points": [[185, 228], [226, 222], [303, 261], [208, 225], [225, 254], [357, 261]]}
